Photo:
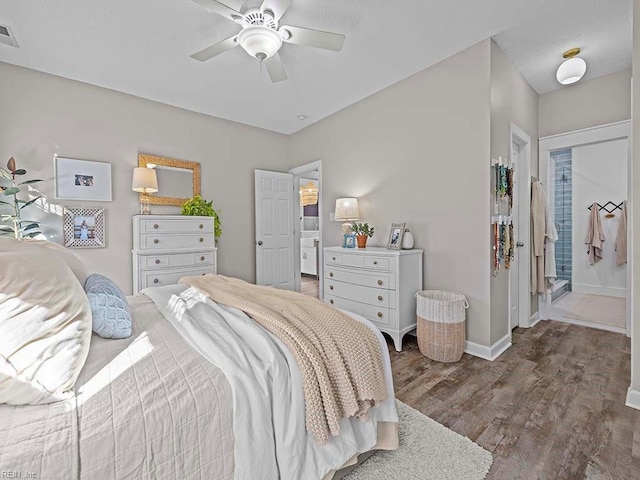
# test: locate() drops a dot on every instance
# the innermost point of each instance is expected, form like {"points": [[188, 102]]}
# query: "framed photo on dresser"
{"points": [[395, 236]]}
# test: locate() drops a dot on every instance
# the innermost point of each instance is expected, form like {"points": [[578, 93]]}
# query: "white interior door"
{"points": [[274, 210], [514, 273]]}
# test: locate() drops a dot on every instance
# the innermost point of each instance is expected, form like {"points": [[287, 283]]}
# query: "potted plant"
{"points": [[198, 206], [363, 231], [18, 227]]}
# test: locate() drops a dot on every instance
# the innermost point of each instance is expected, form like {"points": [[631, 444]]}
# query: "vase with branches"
{"points": [[13, 223]]}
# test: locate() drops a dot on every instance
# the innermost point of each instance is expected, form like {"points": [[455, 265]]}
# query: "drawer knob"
{"points": [[330, 301], [379, 282], [155, 225], [155, 280], [331, 287], [375, 262], [155, 240], [380, 314], [202, 258], [157, 261], [380, 297], [201, 226], [201, 239], [331, 274], [333, 258]]}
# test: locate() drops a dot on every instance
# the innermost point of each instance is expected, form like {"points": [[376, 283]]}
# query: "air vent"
{"points": [[6, 36]]}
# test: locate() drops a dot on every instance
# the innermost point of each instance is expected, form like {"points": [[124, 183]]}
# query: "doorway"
{"points": [[587, 173], [520, 159]]}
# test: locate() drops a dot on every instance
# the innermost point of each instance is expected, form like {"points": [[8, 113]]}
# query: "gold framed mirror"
{"points": [[178, 180]]}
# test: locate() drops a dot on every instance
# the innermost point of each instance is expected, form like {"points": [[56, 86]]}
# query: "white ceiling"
{"points": [[601, 28], [142, 47]]}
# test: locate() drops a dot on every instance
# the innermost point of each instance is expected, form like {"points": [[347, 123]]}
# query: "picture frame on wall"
{"points": [[81, 179], [84, 227], [395, 236]]}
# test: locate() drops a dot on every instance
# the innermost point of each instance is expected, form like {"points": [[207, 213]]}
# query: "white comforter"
{"points": [[271, 441]]}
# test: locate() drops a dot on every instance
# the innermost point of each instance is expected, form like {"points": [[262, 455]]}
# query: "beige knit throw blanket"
{"points": [[339, 357]]}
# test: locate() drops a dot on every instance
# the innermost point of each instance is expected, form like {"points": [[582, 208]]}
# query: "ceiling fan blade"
{"points": [[313, 38], [216, 49], [220, 9], [278, 7], [275, 68]]}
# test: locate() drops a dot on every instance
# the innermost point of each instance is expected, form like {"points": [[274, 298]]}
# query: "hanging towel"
{"points": [[621, 237], [595, 236], [538, 231]]}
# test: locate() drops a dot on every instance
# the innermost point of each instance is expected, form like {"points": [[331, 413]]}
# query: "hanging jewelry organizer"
{"points": [[501, 220]]}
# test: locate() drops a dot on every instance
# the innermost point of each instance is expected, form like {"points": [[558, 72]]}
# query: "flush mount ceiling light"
{"points": [[572, 69]]}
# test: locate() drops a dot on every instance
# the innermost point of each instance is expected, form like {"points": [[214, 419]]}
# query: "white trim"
{"points": [[599, 290], [488, 353], [597, 326], [633, 398], [523, 175], [590, 130], [298, 172], [534, 319]]}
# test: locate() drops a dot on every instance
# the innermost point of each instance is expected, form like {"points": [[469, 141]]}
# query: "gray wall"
{"points": [[418, 151], [512, 100], [45, 115], [595, 102]]}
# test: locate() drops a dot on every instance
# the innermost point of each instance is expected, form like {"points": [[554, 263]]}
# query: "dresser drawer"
{"points": [[377, 263], [358, 293], [382, 316], [160, 278], [169, 241], [364, 278], [182, 225], [155, 262]]}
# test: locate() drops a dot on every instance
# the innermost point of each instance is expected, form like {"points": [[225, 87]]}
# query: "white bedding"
{"points": [[271, 441]]}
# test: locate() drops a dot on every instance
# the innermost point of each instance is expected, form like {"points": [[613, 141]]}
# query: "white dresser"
{"points": [[377, 283], [169, 247]]}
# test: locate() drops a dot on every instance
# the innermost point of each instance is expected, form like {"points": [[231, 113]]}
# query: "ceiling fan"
{"points": [[262, 35]]}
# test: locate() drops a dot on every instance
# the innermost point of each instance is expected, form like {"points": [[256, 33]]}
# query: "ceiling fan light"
{"points": [[260, 42], [571, 70]]}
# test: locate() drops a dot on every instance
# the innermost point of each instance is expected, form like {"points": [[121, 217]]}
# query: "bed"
{"points": [[152, 406]]}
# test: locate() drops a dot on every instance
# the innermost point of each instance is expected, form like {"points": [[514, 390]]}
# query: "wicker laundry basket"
{"points": [[441, 317]]}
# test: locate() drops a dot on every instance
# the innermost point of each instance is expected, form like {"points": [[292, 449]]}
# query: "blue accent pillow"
{"points": [[109, 308]]}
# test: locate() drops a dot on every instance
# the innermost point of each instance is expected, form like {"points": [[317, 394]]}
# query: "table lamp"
{"points": [[145, 181], [347, 211]]}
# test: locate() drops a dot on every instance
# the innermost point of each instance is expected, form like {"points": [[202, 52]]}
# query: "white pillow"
{"points": [[66, 255], [45, 327]]}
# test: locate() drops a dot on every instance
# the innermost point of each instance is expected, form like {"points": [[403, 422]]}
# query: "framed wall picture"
{"points": [[84, 227], [82, 180], [395, 236]]}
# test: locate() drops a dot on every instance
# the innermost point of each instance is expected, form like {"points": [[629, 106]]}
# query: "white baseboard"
{"points": [[534, 319], [598, 290], [488, 353], [633, 398]]}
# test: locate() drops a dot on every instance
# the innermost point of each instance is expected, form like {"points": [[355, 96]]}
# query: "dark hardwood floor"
{"points": [[551, 407]]}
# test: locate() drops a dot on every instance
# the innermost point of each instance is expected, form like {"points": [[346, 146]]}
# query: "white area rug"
{"points": [[427, 451], [598, 309]]}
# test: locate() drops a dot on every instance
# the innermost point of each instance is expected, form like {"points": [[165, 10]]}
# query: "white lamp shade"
{"points": [[571, 70], [145, 180], [259, 41], [347, 209]]}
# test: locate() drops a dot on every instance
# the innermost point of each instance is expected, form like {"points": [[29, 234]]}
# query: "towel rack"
{"points": [[608, 207]]}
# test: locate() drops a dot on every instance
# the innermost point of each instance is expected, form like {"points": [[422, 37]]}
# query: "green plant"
{"points": [[362, 229], [20, 228], [199, 206]]}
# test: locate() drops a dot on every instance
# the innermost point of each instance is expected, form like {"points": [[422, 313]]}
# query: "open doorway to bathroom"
{"points": [[587, 175], [307, 182]]}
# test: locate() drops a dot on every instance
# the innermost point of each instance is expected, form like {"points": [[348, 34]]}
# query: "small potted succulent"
{"points": [[363, 231]]}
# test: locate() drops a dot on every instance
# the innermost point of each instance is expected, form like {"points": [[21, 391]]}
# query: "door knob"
{"points": [[519, 244], [259, 242]]}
